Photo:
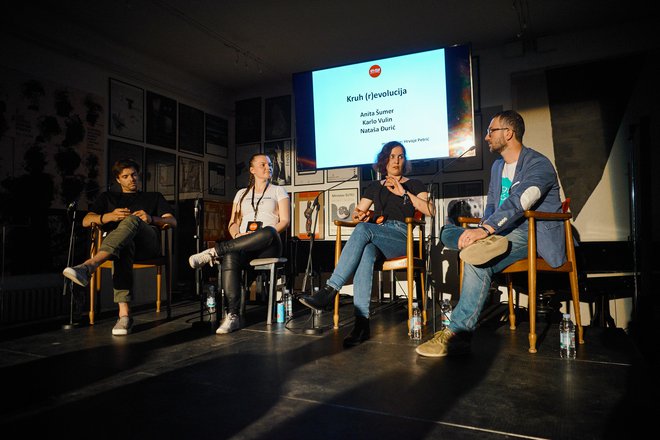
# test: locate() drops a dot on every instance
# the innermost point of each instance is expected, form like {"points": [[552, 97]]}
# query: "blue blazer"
{"points": [[534, 176]]}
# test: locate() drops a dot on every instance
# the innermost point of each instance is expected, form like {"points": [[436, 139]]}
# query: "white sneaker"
{"points": [[230, 324], [203, 258]]}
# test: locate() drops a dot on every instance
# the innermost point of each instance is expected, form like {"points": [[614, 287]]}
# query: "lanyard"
{"points": [[256, 208]]}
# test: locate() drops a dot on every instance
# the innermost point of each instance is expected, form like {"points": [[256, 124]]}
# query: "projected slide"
{"points": [[360, 107]]}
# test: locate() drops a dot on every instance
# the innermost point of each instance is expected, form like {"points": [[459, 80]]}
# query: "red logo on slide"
{"points": [[374, 71]]}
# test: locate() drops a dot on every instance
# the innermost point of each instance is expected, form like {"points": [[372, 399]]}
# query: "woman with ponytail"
{"points": [[260, 213]]}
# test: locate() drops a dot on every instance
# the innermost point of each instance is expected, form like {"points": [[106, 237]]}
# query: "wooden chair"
{"points": [[410, 262], [160, 262], [533, 264]]}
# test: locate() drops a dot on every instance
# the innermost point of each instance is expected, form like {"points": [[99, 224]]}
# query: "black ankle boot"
{"points": [[360, 333], [319, 300]]}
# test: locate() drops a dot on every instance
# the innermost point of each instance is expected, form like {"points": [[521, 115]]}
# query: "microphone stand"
{"points": [[198, 272], [69, 263], [309, 271]]}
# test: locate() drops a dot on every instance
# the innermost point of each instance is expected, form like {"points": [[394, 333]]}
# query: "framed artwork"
{"points": [[161, 120], [243, 155], [472, 161], [191, 130], [342, 174], [248, 121], [424, 167], [278, 117], [191, 178], [217, 136], [309, 178], [464, 199], [280, 155], [341, 203], [123, 150], [216, 220], [304, 225], [217, 178], [160, 173], [126, 111]]}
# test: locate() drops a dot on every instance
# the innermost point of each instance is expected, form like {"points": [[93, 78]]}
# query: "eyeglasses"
{"points": [[491, 130]]}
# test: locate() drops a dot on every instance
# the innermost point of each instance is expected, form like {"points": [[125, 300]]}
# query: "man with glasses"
{"points": [[522, 179]]}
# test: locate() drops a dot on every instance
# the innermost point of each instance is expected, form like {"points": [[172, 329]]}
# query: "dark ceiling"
{"points": [[241, 44]]}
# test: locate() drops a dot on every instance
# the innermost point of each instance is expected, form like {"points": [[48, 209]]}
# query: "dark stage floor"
{"points": [[176, 379]]}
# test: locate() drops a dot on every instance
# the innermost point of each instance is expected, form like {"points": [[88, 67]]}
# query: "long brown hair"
{"points": [[251, 183]]}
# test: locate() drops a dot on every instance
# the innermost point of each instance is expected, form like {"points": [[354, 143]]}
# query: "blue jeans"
{"points": [[368, 242], [476, 279]]}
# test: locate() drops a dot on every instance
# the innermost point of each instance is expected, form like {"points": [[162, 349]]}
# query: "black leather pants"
{"points": [[236, 256]]}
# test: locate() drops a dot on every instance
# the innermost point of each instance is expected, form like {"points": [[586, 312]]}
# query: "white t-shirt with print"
{"points": [[266, 206]]}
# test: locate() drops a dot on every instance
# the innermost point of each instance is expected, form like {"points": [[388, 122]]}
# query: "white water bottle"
{"points": [[566, 337], [416, 323], [288, 304], [445, 312]]}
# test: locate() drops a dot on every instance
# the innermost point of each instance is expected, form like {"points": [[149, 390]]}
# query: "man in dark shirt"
{"points": [[127, 218]]}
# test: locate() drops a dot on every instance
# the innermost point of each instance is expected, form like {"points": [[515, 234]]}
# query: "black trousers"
{"points": [[237, 254]]}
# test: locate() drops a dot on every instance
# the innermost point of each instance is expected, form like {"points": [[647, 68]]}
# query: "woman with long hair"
{"points": [[382, 235], [259, 215]]}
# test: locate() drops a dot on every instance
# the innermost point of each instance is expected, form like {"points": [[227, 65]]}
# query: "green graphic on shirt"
{"points": [[506, 185]]}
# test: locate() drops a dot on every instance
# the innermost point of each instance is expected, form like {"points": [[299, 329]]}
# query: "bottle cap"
{"points": [[567, 315]]}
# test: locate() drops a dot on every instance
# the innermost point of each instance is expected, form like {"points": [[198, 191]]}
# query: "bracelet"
{"points": [[101, 219], [485, 229]]}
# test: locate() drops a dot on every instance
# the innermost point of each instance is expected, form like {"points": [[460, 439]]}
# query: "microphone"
{"points": [[196, 207], [472, 148], [73, 205]]}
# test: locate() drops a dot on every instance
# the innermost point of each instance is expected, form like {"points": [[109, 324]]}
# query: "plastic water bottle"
{"points": [[288, 304], [567, 337], [416, 323], [210, 301], [445, 312]]}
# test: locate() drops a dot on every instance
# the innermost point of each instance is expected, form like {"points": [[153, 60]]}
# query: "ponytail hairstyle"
{"points": [[251, 183]]}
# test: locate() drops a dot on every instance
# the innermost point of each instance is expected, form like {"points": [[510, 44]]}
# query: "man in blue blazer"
{"points": [[522, 179]]}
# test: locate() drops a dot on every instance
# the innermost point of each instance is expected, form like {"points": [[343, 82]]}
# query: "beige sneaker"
{"points": [[484, 250], [445, 343]]}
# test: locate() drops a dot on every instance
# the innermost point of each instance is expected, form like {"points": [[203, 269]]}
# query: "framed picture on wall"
{"points": [[424, 167], [191, 178], [342, 174], [191, 130], [278, 117], [216, 219], [126, 111], [217, 178], [462, 199], [243, 154], [160, 173], [309, 178], [248, 121], [280, 155], [341, 203], [217, 136], [118, 150], [161, 120], [304, 225]]}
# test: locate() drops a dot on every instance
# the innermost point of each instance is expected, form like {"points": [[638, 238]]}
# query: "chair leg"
{"points": [[92, 295], [335, 317], [271, 290], [531, 279], [512, 311], [411, 291], [422, 284], [575, 293], [159, 283]]}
